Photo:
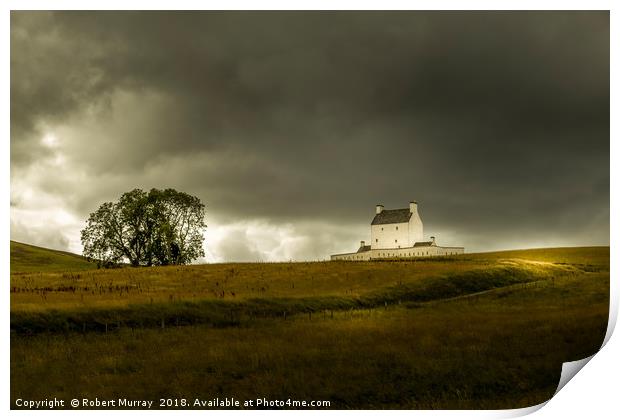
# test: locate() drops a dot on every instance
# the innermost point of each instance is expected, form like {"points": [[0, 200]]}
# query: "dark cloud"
{"points": [[496, 122]]}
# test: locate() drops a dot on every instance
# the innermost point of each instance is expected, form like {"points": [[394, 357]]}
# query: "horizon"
{"points": [[291, 126], [328, 260]]}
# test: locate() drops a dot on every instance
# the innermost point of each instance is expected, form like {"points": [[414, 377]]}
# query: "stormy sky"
{"points": [[290, 127]]}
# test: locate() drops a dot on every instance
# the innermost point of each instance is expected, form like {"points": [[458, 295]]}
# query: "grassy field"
{"points": [[476, 331], [28, 258]]}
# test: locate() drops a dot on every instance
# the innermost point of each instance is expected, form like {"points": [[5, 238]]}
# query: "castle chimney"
{"points": [[413, 206], [379, 208], [433, 241], [362, 244]]}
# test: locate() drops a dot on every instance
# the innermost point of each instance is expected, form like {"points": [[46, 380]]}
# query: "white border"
{"points": [[593, 394]]}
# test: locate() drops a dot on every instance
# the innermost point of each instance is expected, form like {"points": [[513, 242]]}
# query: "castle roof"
{"points": [[418, 244], [364, 248], [392, 216]]}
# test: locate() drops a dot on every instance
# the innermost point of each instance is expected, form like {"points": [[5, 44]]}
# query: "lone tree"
{"points": [[161, 227]]}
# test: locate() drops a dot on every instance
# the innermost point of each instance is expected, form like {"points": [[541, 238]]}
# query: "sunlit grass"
{"points": [[498, 351], [236, 282], [478, 331], [31, 259]]}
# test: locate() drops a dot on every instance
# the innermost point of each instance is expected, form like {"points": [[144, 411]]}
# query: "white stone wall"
{"points": [[395, 235], [402, 253], [398, 235], [397, 240], [416, 228]]}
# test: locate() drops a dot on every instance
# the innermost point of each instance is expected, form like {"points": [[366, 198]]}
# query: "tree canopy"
{"points": [[161, 227]]}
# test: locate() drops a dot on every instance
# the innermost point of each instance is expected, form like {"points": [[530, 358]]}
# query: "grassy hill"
{"points": [[487, 330], [29, 258]]}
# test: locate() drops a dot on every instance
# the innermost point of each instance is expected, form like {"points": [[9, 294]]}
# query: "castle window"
{"points": [[396, 227], [381, 228], [377, 240], [395, 240]]}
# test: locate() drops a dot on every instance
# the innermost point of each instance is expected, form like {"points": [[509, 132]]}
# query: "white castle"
{"points": [[398, 233]]}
